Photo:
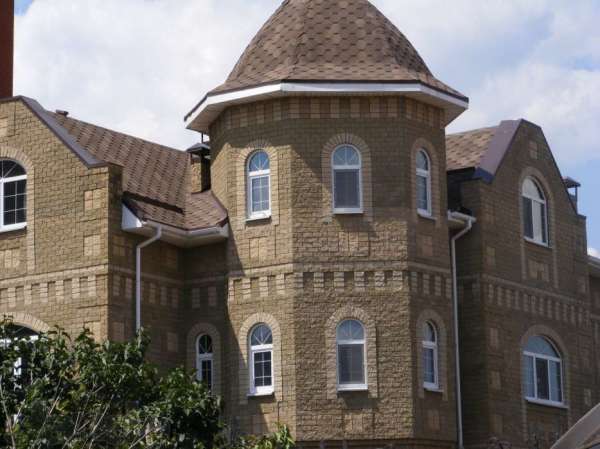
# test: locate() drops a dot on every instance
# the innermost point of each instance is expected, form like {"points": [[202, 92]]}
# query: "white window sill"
{"points": [[11, 228], [258, 217], [535, 242], [547, 403], [347, 211], [432, 389], [350, 388], [258, 394], [426, 215]]}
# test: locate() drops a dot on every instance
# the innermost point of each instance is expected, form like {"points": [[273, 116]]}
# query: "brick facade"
{"points": [[305, 268]]}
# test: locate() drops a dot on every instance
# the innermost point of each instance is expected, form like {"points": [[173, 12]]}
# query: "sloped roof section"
{"points": [[330, 40], [155, 177], [465, 150]]}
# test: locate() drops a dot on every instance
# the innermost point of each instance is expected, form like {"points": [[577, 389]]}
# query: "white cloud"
{"points": [[594, 252], [140, 65], [563, 102]]}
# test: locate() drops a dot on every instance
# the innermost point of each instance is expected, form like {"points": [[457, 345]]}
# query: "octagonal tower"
{"points": [[328, 151]]}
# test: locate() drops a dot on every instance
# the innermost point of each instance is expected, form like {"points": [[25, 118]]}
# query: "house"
{"points": [[330, 259]]}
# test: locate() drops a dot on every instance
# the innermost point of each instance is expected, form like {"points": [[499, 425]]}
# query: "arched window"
{"points": [[261, 360], [259, 185], [16, 333], [430, 356], [347, 180], [13, 196], [542, 371], [351, 355], [535, 212], [423, 183], [204, 360]]}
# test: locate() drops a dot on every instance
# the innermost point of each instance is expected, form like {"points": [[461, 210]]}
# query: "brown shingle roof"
{"points": [[155, 177], [466, 149], [330, 40]]}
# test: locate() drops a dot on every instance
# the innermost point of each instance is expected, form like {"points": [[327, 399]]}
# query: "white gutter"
{"points": [[138, 275], [170, 234], [469, 220]]}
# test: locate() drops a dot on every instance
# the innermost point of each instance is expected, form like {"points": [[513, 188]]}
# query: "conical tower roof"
{"points": [[327, 47], [330, 40]]}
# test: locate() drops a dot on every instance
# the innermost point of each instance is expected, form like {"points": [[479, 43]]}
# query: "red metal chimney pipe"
{"points": [[7, 31]]}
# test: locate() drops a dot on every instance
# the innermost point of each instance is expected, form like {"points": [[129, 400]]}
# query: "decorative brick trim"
{"points": [[319, 108], [29, 321], [244, 371], [348, 313], [367, 185], [196, 331], [239, 222], [442, 345], [19, 156]]}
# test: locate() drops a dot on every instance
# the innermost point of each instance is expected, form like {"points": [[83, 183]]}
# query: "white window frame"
{"points": [[421, 173], [16, 226], [208, 357], [544, 203], [432, 345], [356, 386], [263, 214], [535, 398], [358, 167], [256, 349]]}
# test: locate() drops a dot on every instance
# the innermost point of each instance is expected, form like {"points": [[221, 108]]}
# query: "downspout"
{"points": [[459, 413], [138, 275]]}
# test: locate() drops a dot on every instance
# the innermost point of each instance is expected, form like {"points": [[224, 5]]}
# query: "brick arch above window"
{"points": [[443, 349], [434, 173], [241, 164], [351, 313], [366, 167], [17, 155], [28, 321], [206, 329], [243, 342]]}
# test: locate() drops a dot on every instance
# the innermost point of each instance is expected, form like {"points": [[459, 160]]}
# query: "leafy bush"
{"points": [[56, 392]]}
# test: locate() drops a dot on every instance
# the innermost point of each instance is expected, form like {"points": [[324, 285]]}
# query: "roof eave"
{"points": [[201, 117], [183, 238]]}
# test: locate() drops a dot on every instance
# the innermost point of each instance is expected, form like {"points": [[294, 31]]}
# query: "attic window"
{"points": [[13, 196], [535, 212]]}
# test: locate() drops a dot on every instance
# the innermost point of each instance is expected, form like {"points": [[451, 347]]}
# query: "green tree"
{"points": [[59, 393]]}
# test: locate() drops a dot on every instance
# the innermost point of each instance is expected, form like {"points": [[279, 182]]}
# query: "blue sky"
{"points": [[140, 65]]}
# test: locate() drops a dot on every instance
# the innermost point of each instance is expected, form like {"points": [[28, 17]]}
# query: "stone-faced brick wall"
{"points": [[305, 269], [511, 289], [54, 272]]}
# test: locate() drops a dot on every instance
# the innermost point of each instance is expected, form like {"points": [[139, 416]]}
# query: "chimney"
{"points": [[7, 29]]}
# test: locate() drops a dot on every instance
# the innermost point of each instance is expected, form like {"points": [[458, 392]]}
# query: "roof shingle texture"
{"points": [[155, 177], [465, 150], [330, 40]]}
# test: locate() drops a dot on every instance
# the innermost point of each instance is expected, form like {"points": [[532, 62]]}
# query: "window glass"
{"points": [[13, 195], [542, 371], [346, 178], [204, 363], [351, 354], [535, 212], [261, 360], [259, 185], [423, 183]]}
